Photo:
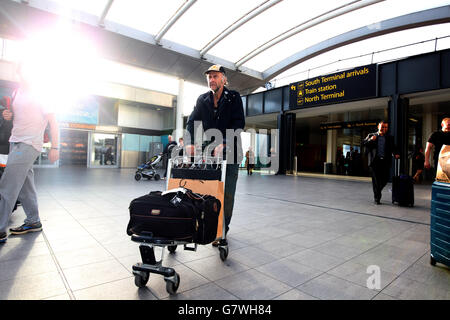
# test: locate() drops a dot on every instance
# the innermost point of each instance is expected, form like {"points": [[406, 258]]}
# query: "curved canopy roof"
{"points": [[255, 40]]}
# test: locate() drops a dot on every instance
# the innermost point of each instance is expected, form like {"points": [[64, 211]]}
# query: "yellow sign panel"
{"points": [[353, 84]]}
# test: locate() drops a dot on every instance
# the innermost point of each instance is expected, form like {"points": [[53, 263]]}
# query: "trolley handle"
{"points": [[221, 165]]}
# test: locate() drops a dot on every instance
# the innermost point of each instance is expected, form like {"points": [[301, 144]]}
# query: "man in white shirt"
{"points": [[30, 118]]}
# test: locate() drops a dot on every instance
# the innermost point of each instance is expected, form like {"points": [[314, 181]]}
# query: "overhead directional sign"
{"points": [[348, 125], [354, 84]]}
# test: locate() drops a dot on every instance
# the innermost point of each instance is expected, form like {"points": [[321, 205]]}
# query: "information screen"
{"points": [[354, 84]]}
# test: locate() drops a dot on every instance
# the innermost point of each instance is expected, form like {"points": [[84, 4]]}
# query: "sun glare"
{"points": [[59, 65]]}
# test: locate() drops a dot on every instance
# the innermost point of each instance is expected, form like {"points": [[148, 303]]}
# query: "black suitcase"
{"points": [[181, 216], [402, 187]]}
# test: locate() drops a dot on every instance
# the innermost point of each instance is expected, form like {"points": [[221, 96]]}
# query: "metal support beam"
{"points": [[237, 24], [101, 21], [405, 22], [174, 19], [336, 12]]}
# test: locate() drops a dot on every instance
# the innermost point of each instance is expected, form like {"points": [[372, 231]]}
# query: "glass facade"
{"points": [[137, 149]]}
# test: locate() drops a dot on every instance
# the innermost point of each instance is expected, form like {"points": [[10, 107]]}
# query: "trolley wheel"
{"points": [[223, 253], [432, 261], [172, 285], [157, 177], [172, 249], [137, 176], [141, 279]]}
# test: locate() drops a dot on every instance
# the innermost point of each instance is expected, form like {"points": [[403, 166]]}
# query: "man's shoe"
{"points": [[25, 228], [377, 201], [3, 237]]}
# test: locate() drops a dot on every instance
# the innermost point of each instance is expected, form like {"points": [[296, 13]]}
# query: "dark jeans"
{"points": [[230, 190], [380, 176], [165, 164]]}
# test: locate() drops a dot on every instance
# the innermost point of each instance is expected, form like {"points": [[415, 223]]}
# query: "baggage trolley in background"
{"points": [[179, 168]]}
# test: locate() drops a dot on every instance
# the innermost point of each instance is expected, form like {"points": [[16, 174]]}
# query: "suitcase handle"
{"points": [[397, 167]]}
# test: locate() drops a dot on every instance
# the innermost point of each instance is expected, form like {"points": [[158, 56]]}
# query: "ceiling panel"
{"points": [[208, 18], [269, 24], [138, 53], [350, 21], [130, 27], [183, 66], [144, 15], [94, 7], [162, 60]]}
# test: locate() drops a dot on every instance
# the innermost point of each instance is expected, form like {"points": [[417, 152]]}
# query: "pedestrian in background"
{"points": [[380, 148], [249, 161], [437, 139]]}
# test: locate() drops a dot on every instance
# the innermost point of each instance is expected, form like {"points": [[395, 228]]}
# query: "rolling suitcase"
{"points": [[402, 187], [440, 223]]}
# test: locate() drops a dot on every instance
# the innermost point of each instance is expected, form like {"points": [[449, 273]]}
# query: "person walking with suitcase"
{"points": [[30, 118], [380, 148], [220, 109]]}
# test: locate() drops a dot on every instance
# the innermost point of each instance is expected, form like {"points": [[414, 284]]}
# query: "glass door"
{"points": [[103, 151]]}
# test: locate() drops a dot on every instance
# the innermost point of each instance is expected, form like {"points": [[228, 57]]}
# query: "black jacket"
{"points": [[372, 146], [228, 115], [169, 146]]}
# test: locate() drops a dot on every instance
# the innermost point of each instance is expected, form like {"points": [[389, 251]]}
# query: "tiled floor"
{"points": [[291, 237]]}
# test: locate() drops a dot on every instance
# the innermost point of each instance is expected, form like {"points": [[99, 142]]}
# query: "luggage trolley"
{"points": [[179, 167]]}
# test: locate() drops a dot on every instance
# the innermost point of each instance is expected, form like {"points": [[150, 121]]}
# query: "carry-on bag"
{"points": [[402, 187], [177, 214], [213, 188], [440, 223]]}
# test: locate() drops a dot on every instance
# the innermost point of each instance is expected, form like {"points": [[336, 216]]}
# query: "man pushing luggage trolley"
{"points": [[221, 114], [188, 213], [196, 183]]}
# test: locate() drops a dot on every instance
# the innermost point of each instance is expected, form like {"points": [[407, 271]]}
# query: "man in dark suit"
{"points": [[380, 148]]}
